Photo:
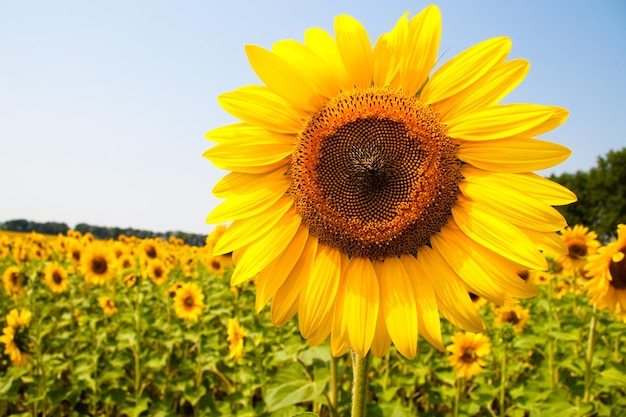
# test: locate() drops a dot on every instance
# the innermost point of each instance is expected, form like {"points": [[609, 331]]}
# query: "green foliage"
{"points": [[601, 194]]}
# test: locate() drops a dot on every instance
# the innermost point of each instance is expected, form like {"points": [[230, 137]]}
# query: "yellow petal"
{"points": [[242, 132], [325, 47], [465, 69], [316, 70], [259, 106], [493, 233], [398, 304], [285, 303], [513, 155], [287, 79], [319, 295], [242, 206], [533, 185], [549, 242], [428, 321], [486, 273], [498, 122], [239, 183], [274, 275], [452, 296], [339, 339], [355, 49], [388, 55], [382, 341], [362, 302], [421, 49], [243, 232], [263, 251], [485, 92], [512, 204]]}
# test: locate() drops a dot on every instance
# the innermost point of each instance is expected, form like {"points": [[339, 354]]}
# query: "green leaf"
{"points": [[293, 392]]}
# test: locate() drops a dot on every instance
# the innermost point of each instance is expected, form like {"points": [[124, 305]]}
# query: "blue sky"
{"points": [[104, 104]]}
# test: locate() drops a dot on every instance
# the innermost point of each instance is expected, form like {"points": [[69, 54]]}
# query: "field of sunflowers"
{"points": [[148, 327]]}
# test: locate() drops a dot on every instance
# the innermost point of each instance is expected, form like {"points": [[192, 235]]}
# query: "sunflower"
{"points": [[96, 264], [107, 305], [55, 277], [130, 279], [607, 273], [515, 314], [188, 301], [15, 336], [149, 250], [235, 337], [581, 243], [171, 291], [369, 195], [156, 271], [14, 281], [468, 352]]}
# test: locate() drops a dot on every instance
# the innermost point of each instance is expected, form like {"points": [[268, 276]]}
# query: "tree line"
{"points": [[99, 232]]}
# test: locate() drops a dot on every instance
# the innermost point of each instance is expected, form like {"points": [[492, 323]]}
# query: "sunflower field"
{"points": [[148, 327]]}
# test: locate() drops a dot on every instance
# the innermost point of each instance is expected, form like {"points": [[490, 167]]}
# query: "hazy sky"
{"points": [[104, 104]]}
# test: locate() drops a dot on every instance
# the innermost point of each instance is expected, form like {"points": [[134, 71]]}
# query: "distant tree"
{"points": [[18, 225], [601, 195]]}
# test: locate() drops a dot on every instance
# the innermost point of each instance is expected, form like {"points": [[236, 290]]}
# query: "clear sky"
{"points": [[104, 104]]}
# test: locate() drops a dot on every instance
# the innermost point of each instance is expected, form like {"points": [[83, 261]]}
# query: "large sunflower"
{"points": [[368, 192], [15, 336], [607, 273], [97, 264]]}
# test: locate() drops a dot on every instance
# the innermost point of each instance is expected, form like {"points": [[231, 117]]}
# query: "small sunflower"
{"points": [[468, 352], [156, 270], [171, 291], [149, 249], [14, 281], [540, 278], [189, 301], [55, 277], [130, 279], [235, 337], [107, 305], [15, 337], [515, 314], [581, 243], [97, 264], [607, 272], [370, 192]]}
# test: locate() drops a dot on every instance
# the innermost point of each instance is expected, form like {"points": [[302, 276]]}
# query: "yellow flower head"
{"points": [[189, 301], [468, 352], [235, 337], [157, 271], [581, 243], [97, 264], [370, 191], [108, 305], [15, 336], [607, 273], [55, 277], [515, 314], [130, 279], [14, 281]]}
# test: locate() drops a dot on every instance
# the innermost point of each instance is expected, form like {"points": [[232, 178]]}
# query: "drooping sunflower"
{"points": [[515, 314], [107, 305], [369, 193], [97, 264], [189, 301], [14, 281], [581, 243], [468, 351], [55, 277], [607, 272], [15, 336], [235, 336]]}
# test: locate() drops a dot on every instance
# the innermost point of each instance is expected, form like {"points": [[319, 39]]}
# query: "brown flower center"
{"points": [[618, 272], [374, 174], [469, 355], [189, 301], [57, 278], [577, 248], [150, 251], [99, 265]]}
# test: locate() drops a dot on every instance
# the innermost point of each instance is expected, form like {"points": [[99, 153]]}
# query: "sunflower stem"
{"points": [[359, 384], [550, 339], [333, 389], [589, 355], [460, 382], [503, 379]]}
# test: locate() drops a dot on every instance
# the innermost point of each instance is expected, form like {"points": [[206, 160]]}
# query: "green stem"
{"points": [[589, 356], [333, 388], [503, 380], [550, 339], [460, 382], [359, 384]]}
